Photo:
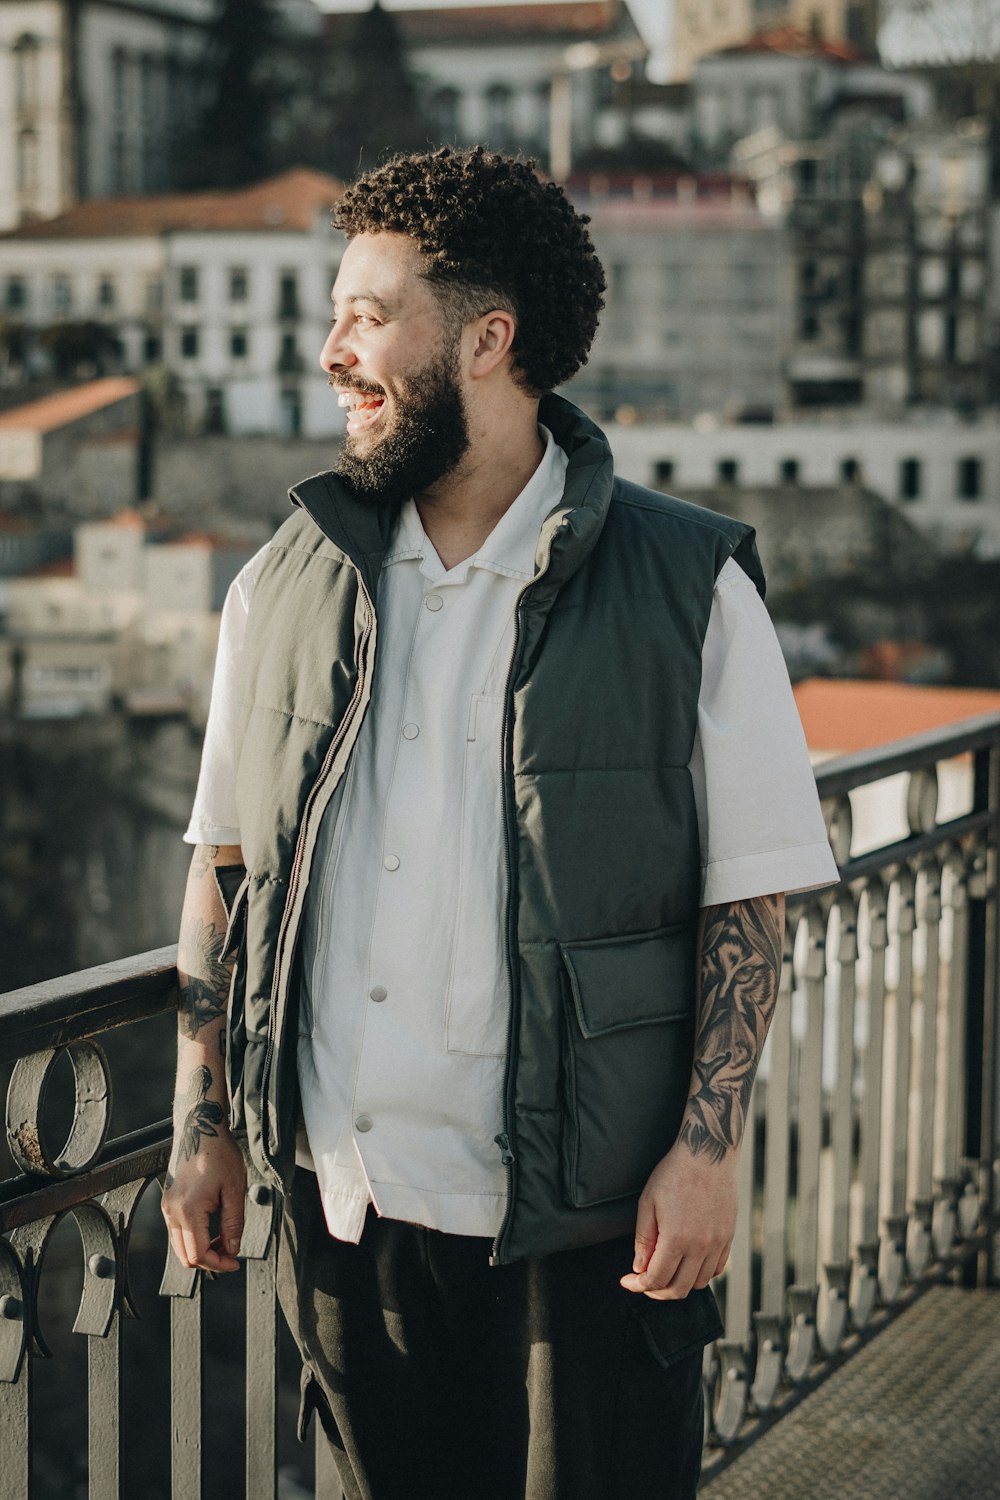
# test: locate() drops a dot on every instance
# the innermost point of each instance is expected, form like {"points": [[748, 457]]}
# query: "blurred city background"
{"points": [[797, 204]]}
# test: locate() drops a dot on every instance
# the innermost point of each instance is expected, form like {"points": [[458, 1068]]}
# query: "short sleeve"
{"points": [[214, 817], [759, 818]]}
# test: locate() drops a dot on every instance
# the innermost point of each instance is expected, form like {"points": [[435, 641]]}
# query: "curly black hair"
{"points": [[492, 235]]}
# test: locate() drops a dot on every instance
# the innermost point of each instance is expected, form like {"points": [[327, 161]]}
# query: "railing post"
{"points": [[981, 1006]]}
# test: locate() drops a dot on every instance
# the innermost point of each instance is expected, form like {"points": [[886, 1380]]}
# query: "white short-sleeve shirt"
{"points": [[403, 1014]]}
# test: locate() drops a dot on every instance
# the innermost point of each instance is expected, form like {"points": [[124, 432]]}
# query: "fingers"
{"points": [[188, 1231], [671, 1274], [231, 1220], [645, 1235]]}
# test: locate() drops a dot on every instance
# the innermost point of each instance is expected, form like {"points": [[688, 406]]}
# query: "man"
{"points": [[488, 727]]}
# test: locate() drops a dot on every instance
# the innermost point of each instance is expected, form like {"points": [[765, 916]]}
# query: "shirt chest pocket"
{"points": [[476, 1012]]}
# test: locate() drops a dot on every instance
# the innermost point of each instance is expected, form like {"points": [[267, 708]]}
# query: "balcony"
{"points": [[869, 1176]]}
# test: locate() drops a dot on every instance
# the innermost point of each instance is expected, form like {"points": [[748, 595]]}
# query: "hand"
{"points": [[685, 1224], [215, 1177]]}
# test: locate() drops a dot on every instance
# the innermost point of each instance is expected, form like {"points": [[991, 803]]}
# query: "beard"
{"points": [[426, 440]]}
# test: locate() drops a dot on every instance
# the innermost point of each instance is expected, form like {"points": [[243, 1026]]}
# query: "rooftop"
{"points": [[63, 407], [287, 202], [791, 41], [841, 716], [569, 20]]}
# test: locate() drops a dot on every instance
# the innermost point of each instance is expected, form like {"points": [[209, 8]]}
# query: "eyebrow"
{"points": [[364, 297]]}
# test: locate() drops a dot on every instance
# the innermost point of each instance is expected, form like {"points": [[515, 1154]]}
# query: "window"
{"points": [[118, 71], [25, 51], [727, 471], [27, 161], [289, 362], [498, 114], [909, 479], [444, 114], [969, 479], [239, 284], [151, 348], [106, 292], [17, 294], [788, 471], [62, 294], [154, 295], [288, 295], [808, 327], [189, 343], [238, 343], [188, 282], [850, 471], [664, 471]]}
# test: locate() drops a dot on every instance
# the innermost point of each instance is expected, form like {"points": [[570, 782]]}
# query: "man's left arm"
{"points": [[687, 1211]]}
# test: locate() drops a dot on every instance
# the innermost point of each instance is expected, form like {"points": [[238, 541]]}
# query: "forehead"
{"points": [[385, 266]]}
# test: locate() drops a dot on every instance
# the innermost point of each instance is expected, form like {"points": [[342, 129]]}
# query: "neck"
{"points": [[459, 512]]}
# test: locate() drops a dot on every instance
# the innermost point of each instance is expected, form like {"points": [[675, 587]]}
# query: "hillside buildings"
{"points": [[228, 291]]}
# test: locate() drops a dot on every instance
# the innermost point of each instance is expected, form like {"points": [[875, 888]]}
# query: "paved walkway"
{"points": [[913, 1416]]}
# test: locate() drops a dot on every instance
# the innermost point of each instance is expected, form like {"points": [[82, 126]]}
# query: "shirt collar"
{"points": [[510, 547]]}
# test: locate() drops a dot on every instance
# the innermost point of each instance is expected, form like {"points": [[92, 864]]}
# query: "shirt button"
{"points": [[391, 862], [434, 601], [378, 993], [410, 731], [362, 1124]]}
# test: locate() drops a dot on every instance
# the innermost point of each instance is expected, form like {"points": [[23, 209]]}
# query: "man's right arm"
{"points": [[206, 1170]]}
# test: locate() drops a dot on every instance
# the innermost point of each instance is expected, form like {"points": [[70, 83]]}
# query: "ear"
{"points": [[492, 335]]}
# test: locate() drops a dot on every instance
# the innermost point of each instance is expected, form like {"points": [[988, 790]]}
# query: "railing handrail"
{"points": [[61, 1010], [845, 772]]}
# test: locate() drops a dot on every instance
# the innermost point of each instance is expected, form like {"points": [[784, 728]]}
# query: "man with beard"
{"points": [[489, 727]]}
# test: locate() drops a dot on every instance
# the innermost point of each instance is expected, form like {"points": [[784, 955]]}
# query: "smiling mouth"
{"points": [[363, 409]]}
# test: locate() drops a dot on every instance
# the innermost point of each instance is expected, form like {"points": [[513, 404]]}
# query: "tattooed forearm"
{"points": [[202, 1115], [203, 992], [740, 966], [201, 860]]}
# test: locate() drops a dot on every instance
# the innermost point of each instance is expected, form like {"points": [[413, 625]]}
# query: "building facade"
{"points": [[228, 293]]}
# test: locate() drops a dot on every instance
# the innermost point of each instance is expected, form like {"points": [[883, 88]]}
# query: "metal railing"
{"points": [[868, 1173]]}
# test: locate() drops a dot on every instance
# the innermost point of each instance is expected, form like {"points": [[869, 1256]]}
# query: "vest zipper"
{"points": [[280, 980], [508, 1155]]}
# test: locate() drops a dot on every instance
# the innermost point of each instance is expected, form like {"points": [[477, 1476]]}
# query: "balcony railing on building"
{"points": [[868, 1167]]}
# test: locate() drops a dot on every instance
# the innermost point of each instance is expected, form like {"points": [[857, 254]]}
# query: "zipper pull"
{"points": [[506, 1154]]}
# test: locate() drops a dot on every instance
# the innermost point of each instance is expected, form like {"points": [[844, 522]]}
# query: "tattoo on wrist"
{"points": [[203, 1114], [204, 994], [740, 967]]}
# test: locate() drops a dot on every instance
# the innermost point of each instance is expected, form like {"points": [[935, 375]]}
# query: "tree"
{"points": [[233, 144], [378, 108]]}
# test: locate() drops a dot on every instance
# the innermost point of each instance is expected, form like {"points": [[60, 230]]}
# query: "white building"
{"points": [[97, 97], [229, 290], [698, 296], [501, 74], [941, 472]]}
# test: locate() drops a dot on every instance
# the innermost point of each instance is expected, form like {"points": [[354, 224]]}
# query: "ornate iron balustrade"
{"points": [[868, 1173]]}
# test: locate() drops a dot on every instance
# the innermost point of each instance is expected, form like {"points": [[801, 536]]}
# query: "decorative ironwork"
{"points": [[868, 1176]]}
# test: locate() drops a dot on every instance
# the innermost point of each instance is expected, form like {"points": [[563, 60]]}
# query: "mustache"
{"points": [[360, 387]]}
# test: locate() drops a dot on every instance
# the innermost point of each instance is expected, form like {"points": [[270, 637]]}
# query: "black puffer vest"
{"points": [[600, 824]]}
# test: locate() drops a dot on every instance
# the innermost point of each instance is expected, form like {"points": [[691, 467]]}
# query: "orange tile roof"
{"points": [[289, 201], [790, 41], [840, 716], [62, 567], [64, 407], [569, 19]]}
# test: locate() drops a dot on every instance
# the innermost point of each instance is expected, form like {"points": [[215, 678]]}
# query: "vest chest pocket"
{"points": [[628, 1025]]}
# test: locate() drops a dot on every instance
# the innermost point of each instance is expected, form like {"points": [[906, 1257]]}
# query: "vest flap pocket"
{"points": [[638, 980], [628, 1024]]}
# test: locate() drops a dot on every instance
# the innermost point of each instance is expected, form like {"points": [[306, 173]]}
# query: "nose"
{"points": [[335, 354]]}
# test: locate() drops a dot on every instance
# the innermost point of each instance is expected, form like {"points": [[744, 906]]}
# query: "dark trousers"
{"points": [[435, 1374]]}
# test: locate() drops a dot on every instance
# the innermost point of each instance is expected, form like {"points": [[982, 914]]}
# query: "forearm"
{"points": [[204, 979], [740, 947]]}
